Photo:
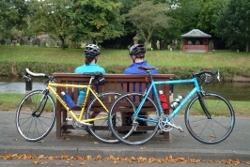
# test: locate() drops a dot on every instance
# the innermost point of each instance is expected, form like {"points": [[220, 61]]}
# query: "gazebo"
{"points": [[195, 41]]}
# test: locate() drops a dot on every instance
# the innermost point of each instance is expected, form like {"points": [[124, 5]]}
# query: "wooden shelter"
{"points": [[195, 41]]}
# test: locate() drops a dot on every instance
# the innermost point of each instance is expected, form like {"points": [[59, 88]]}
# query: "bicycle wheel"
{"points": [[95, 110], [127, 130], [214, 129], [35, 115]]}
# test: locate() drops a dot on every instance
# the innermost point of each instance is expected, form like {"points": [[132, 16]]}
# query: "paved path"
{"points": [[237, 145]]}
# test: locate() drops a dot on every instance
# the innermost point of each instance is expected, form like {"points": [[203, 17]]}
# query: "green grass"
{"points": [[158, 58], [10, 101]]}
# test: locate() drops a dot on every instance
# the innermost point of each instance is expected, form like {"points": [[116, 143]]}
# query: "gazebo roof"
{"points": [[196, 33]]}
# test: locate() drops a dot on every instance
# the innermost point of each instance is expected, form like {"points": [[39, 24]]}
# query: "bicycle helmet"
{"points": [[136, 49], [91, 50]]}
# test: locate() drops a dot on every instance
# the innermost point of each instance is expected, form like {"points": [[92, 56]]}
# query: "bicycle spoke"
{"points": [[35, 127], [210, 130]]}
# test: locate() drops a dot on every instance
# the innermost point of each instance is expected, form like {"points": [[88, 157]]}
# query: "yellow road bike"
{"points": [[36, 114]]}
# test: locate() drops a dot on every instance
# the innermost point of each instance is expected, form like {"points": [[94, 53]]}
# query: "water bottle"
{"points": [[163, 100], [68, 100], [176, 102], [81, 97]]}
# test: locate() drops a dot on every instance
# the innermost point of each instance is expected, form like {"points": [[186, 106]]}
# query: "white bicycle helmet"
{"points": [[91, 50]]}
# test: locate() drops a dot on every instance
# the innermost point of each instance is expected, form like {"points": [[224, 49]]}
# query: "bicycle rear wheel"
{"points": [[210, 130], [100, 127], [127, 130], [35, 116]]}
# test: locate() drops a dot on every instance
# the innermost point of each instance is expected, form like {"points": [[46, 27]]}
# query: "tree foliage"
{"points": [[96, 20], [234, 23], [51, 16], [209, 12], [149, 18], [12, 14]]}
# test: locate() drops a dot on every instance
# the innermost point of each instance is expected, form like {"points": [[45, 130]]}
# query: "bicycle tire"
{"points": [[121, 119], [216, 129], [35, 127], [100, 128]]}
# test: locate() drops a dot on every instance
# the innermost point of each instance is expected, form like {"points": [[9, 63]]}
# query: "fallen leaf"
{"points": [[142, 148], [36, 162], [116, 162]]}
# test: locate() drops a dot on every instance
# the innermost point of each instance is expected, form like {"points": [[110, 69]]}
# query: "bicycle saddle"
{"points": [[145, 68], [96, 74]]}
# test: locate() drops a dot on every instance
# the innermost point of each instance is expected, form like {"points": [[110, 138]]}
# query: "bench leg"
{"points": [[58, 124]]}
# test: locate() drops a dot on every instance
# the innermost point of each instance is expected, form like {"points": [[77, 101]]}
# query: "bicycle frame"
{"points": [[153, 85], [88, 91]]}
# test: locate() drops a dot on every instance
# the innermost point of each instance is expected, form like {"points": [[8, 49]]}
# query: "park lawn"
{"points": [[10, 101], [158, 58]]}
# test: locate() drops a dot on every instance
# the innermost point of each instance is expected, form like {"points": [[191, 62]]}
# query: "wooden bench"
{"points": [[112, 83]]}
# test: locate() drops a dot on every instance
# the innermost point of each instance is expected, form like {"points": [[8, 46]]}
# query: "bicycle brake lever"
{"points": [[27, 77]]}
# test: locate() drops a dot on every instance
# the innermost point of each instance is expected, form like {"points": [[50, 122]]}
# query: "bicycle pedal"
{"points": [[180, 128]]}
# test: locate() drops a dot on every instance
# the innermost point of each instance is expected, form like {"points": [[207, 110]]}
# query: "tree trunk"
{"points": [[62, 40], [153, 44], [247, 46]]}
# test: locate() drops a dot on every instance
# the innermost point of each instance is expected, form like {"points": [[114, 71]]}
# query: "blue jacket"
{"points": [[133, 68]]}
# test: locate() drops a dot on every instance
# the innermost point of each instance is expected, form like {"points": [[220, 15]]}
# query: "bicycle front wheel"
{"points": [[35, 116], [127, 129], [216, 125], [97, 112]]}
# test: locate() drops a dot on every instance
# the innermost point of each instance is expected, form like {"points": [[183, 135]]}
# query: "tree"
{"points": [[12, 14], [209, 13], [185, 15], [149, 18], [96, 20], [234, 23], [51, 16]]}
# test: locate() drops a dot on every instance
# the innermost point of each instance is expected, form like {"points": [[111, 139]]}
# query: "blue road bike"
{"points": [[209, 117]]}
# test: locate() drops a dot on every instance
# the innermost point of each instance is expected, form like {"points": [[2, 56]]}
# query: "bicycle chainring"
{"points": [[164, 123], [77, 125]]}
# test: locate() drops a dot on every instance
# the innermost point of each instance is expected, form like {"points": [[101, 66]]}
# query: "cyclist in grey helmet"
{"points": [[137, 53], [91, 52]]}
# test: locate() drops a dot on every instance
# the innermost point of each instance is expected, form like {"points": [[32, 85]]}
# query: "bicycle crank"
{"points": [[78, 125], [166, 124]]}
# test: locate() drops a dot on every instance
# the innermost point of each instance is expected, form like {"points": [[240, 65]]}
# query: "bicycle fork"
{"points": [[203, 105], [41, 105]]}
